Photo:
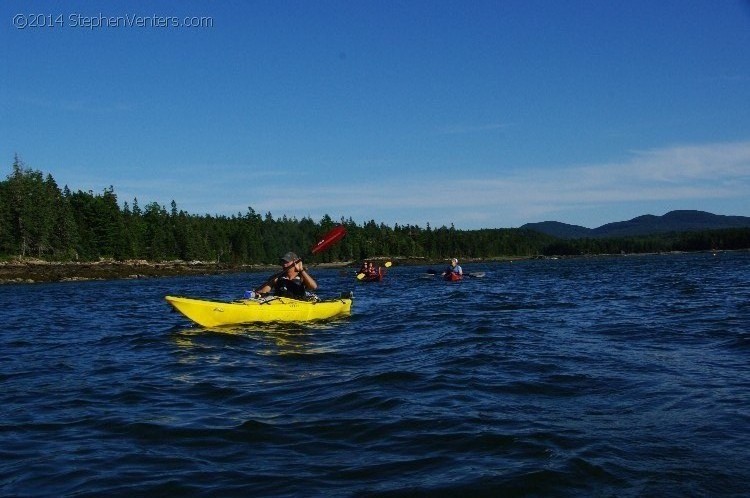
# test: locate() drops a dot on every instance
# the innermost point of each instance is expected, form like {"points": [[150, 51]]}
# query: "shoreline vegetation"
{"points": [[24, 270], [48, 234]]}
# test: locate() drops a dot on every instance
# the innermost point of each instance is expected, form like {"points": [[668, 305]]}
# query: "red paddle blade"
{"points": [[329, 239]]}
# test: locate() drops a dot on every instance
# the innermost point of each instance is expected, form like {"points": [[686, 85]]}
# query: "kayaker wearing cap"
{"points": [[293, 281], [454, 268]]}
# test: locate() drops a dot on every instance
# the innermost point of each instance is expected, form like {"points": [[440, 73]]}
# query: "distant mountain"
{"points": [[673, 221], [560, 230]]}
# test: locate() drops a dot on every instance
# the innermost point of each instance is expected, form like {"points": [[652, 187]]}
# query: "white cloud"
{"points": [[680, 176]]}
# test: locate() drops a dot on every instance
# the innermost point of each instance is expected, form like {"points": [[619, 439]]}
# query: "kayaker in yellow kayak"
{"points": [[293, 281]]}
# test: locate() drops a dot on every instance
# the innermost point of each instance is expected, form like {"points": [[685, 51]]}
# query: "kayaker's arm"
{"points": [[310, 283], [307, 280], [267, 287]]}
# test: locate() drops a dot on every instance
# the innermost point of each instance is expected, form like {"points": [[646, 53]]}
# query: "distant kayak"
{"points": [[270, 309], [452, 277], [372, 277]]}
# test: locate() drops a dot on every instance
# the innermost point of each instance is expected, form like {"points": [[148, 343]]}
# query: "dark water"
{"points": [[625, 376]]}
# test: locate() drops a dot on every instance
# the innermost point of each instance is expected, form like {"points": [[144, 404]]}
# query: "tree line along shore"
{"points": [[52, 234]]}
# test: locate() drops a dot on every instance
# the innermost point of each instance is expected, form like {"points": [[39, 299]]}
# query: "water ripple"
{"points": [[620, 376]]}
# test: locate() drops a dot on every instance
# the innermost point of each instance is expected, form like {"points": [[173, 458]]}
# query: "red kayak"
{"points": [[372, 277], [452, 277]]}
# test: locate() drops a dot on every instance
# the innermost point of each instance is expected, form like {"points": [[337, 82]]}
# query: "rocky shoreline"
{"points": [[28, 270], [34, 271]]}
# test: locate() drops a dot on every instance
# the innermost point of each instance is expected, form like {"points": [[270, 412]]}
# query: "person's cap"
{"points": [[289, 257], [454, 260]]}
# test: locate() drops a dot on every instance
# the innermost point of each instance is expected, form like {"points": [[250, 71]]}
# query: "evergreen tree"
{"points": [[65, 232], [30, 211]]}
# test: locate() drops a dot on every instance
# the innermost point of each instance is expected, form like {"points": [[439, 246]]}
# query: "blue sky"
{"points": [[478, 114]]}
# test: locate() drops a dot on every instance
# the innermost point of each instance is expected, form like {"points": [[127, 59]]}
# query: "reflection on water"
{"points": [[268, 338]]}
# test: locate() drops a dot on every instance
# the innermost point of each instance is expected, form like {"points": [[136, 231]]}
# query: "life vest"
{"points": [[289, 287]]}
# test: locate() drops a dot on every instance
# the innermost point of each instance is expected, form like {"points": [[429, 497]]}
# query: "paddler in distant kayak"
{"points": [[364, 269], [293, 281], [368, 270], [371, 270], [453, 268]]}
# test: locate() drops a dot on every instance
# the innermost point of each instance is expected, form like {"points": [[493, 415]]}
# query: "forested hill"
{"points": [[38, 219], [646, 225]]}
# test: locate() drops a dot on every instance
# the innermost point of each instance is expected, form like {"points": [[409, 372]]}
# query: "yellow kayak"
{"points": [[270, 309]]}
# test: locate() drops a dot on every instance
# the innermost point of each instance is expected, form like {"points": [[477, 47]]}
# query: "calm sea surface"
{"points": [[612, 376]]}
